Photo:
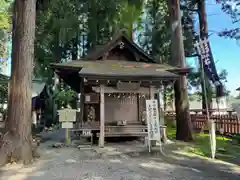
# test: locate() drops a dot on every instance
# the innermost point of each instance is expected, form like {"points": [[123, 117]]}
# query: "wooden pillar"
{"points": [[151, 92], [102, 117], [139, 108], [161, 114], [81, 102], [161, 104]]}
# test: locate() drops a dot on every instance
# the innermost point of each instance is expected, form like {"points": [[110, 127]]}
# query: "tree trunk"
{"points": [[17, 140], [204, 33], [75, 48], [184, 126]]}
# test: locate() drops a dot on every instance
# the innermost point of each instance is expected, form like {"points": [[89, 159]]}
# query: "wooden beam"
{"points": [[102, 116], [113, 90]]}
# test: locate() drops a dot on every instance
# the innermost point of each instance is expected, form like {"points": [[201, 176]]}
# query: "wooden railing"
{"points": [[227, 123]]}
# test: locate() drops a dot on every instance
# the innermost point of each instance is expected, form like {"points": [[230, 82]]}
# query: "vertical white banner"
{"points": [[212, 134], [153, 120]]}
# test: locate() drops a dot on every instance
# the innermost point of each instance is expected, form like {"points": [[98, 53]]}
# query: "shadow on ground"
{"points": [[172, 155]]}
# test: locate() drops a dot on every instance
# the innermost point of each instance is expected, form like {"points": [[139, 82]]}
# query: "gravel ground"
{"points": [[115, 162], [95, 164]]}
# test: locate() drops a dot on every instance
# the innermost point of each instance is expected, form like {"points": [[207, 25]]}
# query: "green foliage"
{"points": [[155, 35], [66, 97], [5, 20], [5, 25], [68, 29], [231, 7], [3, 93], [3, 89], [194, 83], [201, 146]]}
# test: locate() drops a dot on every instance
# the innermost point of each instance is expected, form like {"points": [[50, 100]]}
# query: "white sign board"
{"points": [[67, 125], [87, 98], [153, 120], [71, 115], [67, 115], [212, 134]]}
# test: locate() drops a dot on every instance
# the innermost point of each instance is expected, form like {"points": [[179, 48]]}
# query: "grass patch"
{"points": [[226, 150]]}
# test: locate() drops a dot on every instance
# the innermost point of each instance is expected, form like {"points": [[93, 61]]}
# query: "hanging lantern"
{"points": [[61, 85], [79, 97]]}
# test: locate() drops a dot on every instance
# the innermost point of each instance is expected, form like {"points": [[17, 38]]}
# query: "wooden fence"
{"points": [[226, 124]]}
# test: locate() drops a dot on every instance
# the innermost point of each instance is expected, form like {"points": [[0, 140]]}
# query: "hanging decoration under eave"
{"points": [[205, 56]]}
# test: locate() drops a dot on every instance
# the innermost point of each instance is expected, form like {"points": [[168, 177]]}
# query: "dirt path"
{"points": [[118, 163]]}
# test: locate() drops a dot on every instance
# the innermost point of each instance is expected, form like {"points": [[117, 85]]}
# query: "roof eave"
{"points": [[180, 71], [63, 66], [127, 77]]}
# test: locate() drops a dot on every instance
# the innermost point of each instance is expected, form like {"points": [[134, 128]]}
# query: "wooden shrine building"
{"points": [[114, 81]]}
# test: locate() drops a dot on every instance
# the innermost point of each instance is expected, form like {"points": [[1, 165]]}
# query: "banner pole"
{"points": [[210, 122]]}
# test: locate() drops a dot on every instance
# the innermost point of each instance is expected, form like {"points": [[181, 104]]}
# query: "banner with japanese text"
{"points": [[205, 53], [205, 56], [153, 120]]}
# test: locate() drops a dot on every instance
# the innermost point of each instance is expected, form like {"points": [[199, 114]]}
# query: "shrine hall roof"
{"points": [[120, 36], [120, 68]]}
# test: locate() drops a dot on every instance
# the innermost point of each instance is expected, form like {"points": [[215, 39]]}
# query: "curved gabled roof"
{"points": [[98, 52]]}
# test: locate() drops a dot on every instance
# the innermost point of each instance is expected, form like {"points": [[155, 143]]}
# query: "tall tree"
{"points": [[184, 126], [155, 37], [17, 140]]}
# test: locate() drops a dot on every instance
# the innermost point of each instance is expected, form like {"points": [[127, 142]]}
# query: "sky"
{"points": [[226, 52]]}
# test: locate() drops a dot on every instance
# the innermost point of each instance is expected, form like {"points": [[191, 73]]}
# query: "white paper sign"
{"points": [[68, 125], [212, 134], [67, 115], [62, 115], [71, 115], [153, 120]]}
